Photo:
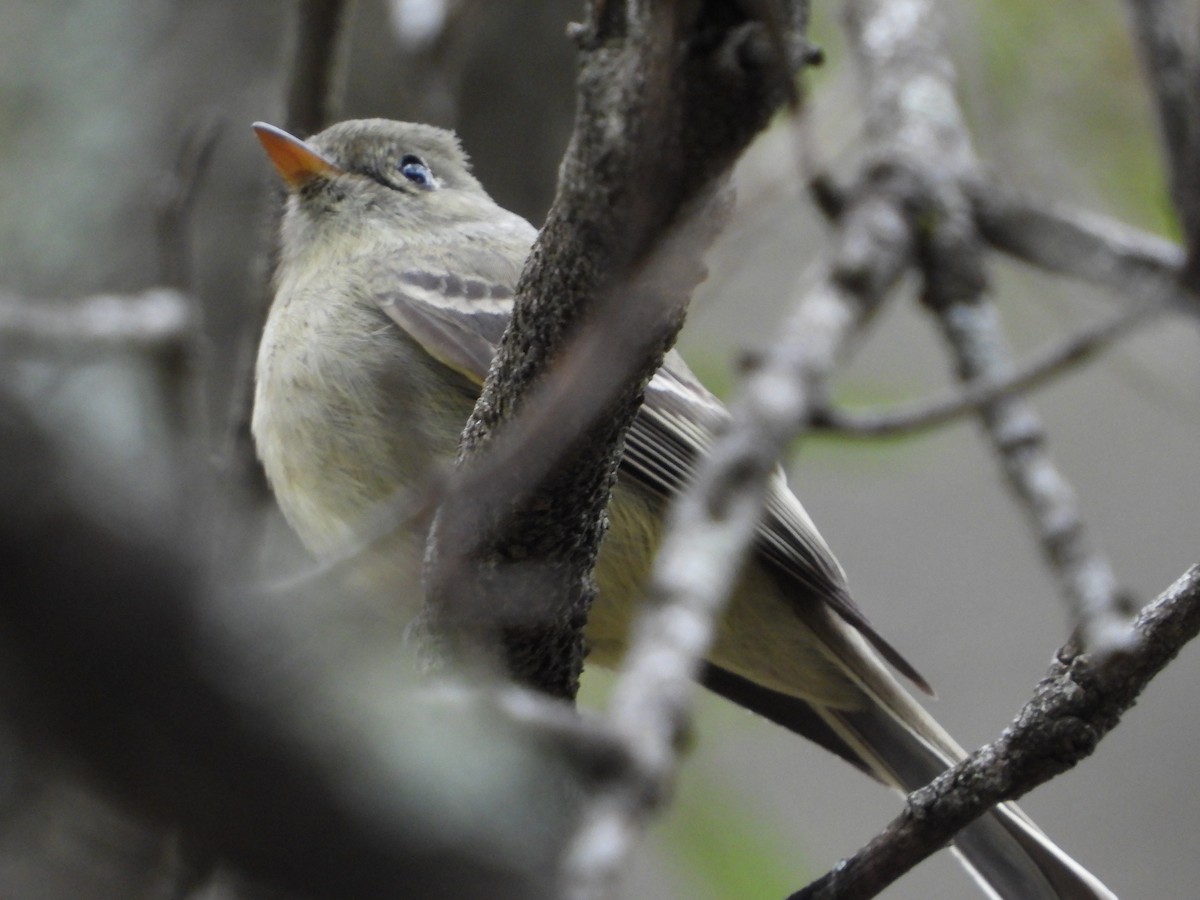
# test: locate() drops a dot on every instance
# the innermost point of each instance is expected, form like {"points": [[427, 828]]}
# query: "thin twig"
{"points": [[312, 85], [1080, 701], [1041, 368], [709, 532]]}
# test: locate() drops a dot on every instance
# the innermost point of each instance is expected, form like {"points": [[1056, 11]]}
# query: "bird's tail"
{"points": [[897, 742]]}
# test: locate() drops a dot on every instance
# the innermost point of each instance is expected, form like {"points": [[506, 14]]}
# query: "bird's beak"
{"points": [[296, 161]]}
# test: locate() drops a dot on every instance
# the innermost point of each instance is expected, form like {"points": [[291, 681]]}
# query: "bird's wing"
{"points": [[457, 304], [681, 420], [459, 322], [677, 424]]}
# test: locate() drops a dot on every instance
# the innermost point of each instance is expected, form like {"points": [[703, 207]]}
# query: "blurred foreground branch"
{"points": [[154, 320], [213, 709]]}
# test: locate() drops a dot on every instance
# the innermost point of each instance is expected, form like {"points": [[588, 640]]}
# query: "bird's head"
{"points": [[368, 173]]}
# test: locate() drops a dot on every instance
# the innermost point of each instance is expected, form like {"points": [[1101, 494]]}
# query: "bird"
{"points": [[395, 279]]}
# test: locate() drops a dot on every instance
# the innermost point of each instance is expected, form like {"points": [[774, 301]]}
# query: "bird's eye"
{"points": [[414, 169]]}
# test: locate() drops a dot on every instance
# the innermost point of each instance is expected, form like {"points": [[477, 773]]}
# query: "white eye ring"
{"points": [[414, 169]]}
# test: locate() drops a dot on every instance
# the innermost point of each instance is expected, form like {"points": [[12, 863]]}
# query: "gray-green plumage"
{"points": [[394, 286]]}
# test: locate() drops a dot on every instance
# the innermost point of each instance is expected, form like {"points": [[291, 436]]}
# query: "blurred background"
{"points": [[99, 97]]}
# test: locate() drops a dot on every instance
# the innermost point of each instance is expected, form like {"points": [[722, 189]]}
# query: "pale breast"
{"points": [[349, 412]]}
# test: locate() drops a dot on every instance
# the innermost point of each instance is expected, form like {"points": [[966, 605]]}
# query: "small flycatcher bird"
{"points": [[395, 279]]}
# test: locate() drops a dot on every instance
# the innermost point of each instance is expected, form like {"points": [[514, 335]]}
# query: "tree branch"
{"points": [[181, 362], [1080, 701], [709, 533], [712, 525], [1075, 243], [955, 293], [669, 95], [310, 105], [913, 84], [176, 197]]}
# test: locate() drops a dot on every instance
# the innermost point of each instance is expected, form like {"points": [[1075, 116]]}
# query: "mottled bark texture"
{"points": [[668, 95]]}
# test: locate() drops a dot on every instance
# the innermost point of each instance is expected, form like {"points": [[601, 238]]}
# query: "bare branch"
{"points": [[911, 82], [1074, 242], [312, 83], [972, 328], [709, 533], [181, 363], [923, 415], [711, 526], [1080, 701], [908, 83]]}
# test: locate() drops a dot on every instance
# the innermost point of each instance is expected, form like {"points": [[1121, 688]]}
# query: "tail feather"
{"points": [[1010, 857], [784, 710]]}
